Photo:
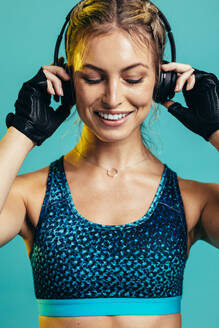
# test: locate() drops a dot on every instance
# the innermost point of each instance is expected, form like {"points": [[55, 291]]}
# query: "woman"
{"points": [[108, 227]]}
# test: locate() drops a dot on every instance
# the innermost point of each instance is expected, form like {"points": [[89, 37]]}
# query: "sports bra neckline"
{"points": [[145, 217]]}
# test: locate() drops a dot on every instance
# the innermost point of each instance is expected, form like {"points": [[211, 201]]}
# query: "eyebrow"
{"points": [[122, 70]]}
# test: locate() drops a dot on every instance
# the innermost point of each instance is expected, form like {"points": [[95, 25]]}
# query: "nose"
{"points": [[112, 96]]}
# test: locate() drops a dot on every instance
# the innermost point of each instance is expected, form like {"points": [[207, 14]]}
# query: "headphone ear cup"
{"points": [[165, 89]]}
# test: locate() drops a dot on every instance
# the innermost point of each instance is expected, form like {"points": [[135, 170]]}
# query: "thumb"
{"points": [[61, 113], [168, 103], [183, 114]]}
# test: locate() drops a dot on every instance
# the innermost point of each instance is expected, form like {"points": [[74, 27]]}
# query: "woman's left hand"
{"points": [[201, 93]]}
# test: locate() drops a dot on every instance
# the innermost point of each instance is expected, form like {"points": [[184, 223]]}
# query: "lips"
{"points": [[113, 123], [112, 113]]}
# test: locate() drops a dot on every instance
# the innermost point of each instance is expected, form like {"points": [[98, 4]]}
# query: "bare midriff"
{"points": [[114, 321]]}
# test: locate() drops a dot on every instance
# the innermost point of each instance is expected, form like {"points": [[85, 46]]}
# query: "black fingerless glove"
{"points": [[33, 115], [202, 114]]}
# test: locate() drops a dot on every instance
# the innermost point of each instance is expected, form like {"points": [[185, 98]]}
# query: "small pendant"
{"points": [[112, 172]]}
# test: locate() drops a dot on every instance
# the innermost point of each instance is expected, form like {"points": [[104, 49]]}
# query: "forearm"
{"points": [[214, 140], [14, 147]]}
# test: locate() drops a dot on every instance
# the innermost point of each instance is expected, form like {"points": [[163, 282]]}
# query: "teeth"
{"points": [[112, 117]]}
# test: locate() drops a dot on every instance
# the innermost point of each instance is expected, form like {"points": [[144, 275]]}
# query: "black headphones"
{"points": [[162, 92]]}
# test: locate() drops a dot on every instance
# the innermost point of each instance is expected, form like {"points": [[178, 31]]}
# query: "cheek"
{"points": [[84, 95], [142, 96]]}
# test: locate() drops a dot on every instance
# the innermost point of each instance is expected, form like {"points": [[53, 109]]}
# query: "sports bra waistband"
{"points": [[108, 306]]}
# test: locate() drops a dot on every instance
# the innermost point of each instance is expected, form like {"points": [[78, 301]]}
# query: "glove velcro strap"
{"points": [[26, 127]]}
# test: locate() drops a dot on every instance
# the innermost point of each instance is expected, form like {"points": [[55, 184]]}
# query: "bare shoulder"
{"points": [[33, 187], [191, 186], [194, 195], [31, 181]]}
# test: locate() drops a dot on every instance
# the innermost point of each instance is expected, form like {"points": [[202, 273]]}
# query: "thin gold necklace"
{"points": [[112, 172]]}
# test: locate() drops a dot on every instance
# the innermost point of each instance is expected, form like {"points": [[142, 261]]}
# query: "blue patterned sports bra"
{"points": [[81, 268]]}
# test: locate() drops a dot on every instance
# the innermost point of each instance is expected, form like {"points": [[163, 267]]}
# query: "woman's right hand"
{"points": [[33, 115]]}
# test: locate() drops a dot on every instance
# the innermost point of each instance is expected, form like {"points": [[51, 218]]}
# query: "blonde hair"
{"points": [[139, 18]]}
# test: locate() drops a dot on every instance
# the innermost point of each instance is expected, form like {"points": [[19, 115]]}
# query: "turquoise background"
{"points": [[28, 33]]}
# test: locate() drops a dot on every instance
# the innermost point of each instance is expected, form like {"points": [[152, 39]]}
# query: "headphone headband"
{"points": [[161, 15]]}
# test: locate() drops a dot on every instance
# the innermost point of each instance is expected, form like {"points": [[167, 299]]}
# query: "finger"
{"points": [[168, 103], [178, 67], [182, 79], [56, 82], [190, 82], [50, 87], [56, 70]]}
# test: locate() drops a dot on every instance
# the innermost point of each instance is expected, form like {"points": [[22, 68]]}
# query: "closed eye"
{"points": [[98, 81], [135, 81]]}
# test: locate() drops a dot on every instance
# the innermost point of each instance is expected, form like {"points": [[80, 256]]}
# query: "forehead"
{"points": [[115, 50]]}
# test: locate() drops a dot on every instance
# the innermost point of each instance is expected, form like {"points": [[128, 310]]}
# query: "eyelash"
{"points": [[98, 81]]}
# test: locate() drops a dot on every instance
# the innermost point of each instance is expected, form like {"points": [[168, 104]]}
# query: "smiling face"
{"points": [[102, 83]]}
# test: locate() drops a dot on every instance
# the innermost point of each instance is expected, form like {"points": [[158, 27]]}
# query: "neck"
{"points": [[117, 154]]}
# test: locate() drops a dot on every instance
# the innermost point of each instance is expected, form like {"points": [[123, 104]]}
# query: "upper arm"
{"points": [[14, 212], [209, 219]]}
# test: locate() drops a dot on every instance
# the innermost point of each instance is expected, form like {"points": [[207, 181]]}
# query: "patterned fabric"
{"points": [[74, 258]]}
